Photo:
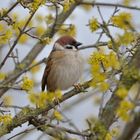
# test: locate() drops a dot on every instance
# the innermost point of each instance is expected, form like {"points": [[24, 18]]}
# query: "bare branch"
{"points": [[110, 5]]}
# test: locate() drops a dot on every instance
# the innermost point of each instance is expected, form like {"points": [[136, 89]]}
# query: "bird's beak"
{"points": [[78, 44]]}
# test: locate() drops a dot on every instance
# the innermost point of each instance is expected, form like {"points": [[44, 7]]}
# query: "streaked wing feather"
{"points": [[55, 55]]}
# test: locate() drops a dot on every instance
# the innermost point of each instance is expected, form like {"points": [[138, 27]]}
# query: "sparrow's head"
{"points": [[66, 42]]}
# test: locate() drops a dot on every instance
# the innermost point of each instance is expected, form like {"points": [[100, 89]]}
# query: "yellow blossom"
{"points": [[114, 132], [35, 4], [49, 19], [57, 115], [123, 109], [114, 63], [98, 58], [46, 40], [104, 86], [5, 37], [100, 63], [108, 136], [43, 98], [122, 92], [23, 39], [5, 119], [58, 94], [2, 76], [67, 4], [1, 27], [38, 99], [93, 24], [33, 98], [21, 66], [39, 30], [27, 83], [123, 20], [86, 8], [39, 17], [126, 38], [127, 2], [64, 30], [7, 100]]}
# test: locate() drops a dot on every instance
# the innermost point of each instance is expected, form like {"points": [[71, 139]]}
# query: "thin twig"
{"points": [[9, 10], [109, 5], [16, 41]]}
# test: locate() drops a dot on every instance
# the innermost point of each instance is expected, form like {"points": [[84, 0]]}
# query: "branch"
{"points": [[9, 10], [16, 41], [55, 128], [112, 105], [27, 113], [96, 45], [130, 128], [110, 5]]}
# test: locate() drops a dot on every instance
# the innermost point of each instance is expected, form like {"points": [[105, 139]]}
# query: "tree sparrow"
{"points": [[64, 65]]}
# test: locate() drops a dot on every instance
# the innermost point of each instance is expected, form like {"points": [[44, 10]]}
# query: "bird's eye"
{"points": [[69, 47]]}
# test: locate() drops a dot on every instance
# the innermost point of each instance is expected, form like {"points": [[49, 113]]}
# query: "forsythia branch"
{"points": [[27, 113], [113, 103]]}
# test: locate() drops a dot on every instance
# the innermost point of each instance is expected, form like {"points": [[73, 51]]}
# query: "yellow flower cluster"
{"points": [[5, 37], [39, 18], [124, 108], [127, 2], [108, 136], [39, 30], [86, 8], [123, 20], [49, 19], [93, 24], [57, 115], [122, 92], [112, 133], [43, 98], [27, 83], [64, 30], [35, 4], [5, 119], [2, 76], [46, 40], [67, 4], [126, 38], [23, 39], [100, 62], [19, 24]]}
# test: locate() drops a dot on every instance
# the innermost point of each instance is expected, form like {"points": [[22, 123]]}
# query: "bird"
{"points": [[64, 65]]}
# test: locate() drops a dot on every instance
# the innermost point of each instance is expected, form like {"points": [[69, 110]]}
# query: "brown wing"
{"points": [[55, 55]]}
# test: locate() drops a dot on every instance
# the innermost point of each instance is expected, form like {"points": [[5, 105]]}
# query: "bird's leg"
{"points": [[79, 88], [57, 101]]}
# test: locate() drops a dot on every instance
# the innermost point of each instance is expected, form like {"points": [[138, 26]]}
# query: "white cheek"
{"points": [[57, 46]]}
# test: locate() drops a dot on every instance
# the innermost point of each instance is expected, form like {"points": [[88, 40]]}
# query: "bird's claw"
{"points": [[79, 88]]}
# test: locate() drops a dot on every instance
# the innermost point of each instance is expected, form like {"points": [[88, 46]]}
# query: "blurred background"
{"points": [[79, 108]]}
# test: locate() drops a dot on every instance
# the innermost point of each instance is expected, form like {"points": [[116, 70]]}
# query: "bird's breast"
{"points": [[68, 71]]}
